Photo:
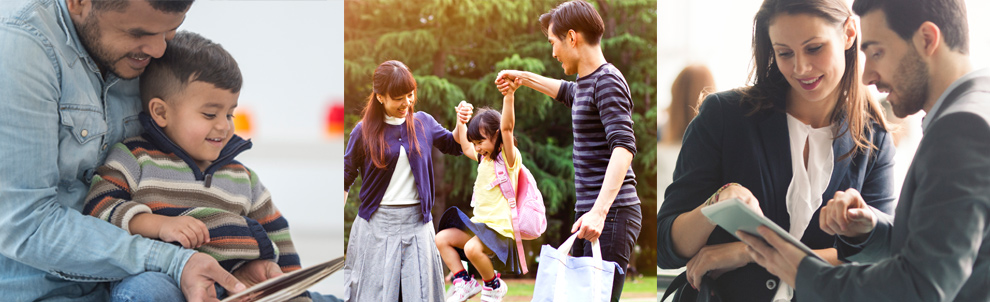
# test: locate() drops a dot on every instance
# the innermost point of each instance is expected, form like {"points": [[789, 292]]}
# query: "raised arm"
{"points": [[460, 131], [539, 83], [508, 122]]}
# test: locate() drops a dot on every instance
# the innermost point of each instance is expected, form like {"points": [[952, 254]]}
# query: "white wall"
{"points": [[291, 54], [718, 33]]}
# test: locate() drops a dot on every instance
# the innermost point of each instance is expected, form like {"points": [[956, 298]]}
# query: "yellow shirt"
{"points": [[490, 207]]}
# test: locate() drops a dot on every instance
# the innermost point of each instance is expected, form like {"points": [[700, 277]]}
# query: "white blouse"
{"points": [[402, 186], [804, 194]]}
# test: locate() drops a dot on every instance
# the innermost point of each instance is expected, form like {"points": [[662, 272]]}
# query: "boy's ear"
{"points": [[158, 110]]}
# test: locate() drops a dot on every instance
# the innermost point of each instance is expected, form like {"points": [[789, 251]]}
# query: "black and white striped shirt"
{"points": [[601, 111]]}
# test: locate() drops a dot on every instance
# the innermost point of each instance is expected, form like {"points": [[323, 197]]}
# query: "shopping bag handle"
{"points": [[596, 253], [596, 248]]}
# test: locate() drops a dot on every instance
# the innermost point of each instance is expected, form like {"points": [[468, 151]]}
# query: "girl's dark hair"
{"points": [[855, 106], [392, 78], [487, 121]]}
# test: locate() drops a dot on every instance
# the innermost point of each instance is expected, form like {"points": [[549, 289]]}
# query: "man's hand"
{"points": [[508, 81], [257, 271], [200, 273], [847, 215], [780, 258], [589, 226], [188, 231]]}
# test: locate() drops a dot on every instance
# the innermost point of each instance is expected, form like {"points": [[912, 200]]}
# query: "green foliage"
{"points": [[456, 49]]}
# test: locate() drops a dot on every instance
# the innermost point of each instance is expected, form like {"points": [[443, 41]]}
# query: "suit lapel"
{"points": [[777, 148], [840, 146]]}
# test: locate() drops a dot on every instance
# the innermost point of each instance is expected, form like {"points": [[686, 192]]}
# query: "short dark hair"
{"points": [[165, 6], [577, 15], [905, 16], [189, 57]]}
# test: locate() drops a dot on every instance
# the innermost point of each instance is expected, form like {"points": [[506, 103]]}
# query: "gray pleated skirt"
{"points": [[393, 254]]}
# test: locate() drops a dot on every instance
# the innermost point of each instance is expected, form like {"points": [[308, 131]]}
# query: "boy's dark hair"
{"points": [[577, 15], [165, 6], [487, 121], [189, 57], [905, 16]]}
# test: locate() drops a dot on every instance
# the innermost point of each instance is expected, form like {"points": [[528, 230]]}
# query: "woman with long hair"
{"points": [[391, 254], [805, 129]]}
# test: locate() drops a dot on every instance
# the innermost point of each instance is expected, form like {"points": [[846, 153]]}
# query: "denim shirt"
{"points": [[58, 115]]}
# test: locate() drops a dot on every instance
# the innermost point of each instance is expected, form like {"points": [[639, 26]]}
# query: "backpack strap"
{"points": [[504, 182]]}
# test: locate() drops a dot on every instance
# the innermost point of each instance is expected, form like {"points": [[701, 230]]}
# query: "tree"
{"points": [[456, 48]]}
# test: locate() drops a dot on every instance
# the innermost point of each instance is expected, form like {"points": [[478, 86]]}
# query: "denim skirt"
{"points": [[506, 257]]}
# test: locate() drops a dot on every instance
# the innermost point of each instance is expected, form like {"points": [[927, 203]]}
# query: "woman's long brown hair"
{"points": [[392, 78], [855, 106]]}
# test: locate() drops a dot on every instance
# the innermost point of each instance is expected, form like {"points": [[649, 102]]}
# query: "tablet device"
{"points": [[288, 286], [733, 215]]}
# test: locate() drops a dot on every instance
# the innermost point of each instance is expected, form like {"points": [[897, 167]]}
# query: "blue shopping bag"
{"points": [[561, 277]]}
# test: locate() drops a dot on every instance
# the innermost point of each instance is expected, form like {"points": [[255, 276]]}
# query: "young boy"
{"points": [[178, 182]]}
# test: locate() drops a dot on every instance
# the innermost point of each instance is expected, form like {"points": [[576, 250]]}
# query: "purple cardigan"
{"points": [[375, 180]]}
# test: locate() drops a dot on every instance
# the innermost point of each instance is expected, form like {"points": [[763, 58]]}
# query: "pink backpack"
{"points": [[529, 215]]}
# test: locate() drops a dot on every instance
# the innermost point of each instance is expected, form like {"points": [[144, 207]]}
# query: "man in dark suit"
{"points": [[936, 246]]}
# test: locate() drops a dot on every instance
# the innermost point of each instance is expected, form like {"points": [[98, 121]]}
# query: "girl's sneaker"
{"points": [[489, 294], [462, 290]]}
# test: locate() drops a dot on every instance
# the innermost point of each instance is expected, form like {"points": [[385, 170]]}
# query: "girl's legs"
{"points": [[478, 253], [447, 240]]}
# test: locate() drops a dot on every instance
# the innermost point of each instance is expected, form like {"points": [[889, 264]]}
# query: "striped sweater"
{"points": [[150, 174], [601, 116]]}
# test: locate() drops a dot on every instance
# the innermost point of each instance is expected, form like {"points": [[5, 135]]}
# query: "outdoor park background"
{"points": [[455, 50]]}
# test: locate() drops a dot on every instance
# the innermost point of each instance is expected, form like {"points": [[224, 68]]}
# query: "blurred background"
{"points": [[291, 106], [707, 47], [456, 48]]}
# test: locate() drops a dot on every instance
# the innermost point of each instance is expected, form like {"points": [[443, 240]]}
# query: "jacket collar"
{"points": [[72, 38], [154, 134]]}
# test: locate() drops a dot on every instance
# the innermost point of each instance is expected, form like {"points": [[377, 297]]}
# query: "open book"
{"points": [[288, 286], [733, 215]]}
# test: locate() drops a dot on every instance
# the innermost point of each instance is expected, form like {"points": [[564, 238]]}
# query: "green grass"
{"points": [[522, 289]]}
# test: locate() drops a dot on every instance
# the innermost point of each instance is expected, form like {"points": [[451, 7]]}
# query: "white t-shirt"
{"points": [[402, 186]]}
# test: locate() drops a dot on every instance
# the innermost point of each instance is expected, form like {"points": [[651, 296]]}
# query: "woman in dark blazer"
{"points": [[742, 144]]}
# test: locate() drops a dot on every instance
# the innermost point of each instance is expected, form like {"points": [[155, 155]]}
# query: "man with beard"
{"points": [[67, 91], [937, 245]]}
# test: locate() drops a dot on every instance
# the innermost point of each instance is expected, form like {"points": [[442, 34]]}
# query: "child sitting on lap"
{"points": [[178, 182]]}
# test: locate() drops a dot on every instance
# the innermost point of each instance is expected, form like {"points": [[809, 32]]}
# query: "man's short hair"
{"points": [[189, 57], [165, 6], [577, 15], [905, 16]]}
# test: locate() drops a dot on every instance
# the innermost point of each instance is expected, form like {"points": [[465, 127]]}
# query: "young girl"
{"points": [[489, 232]]}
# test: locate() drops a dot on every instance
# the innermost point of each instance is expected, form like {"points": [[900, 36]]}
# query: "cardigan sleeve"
{"points": [[353, 157], [443, 139]]}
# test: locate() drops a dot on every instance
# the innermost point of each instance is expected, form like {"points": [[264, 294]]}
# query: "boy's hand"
{"points": [[464, 112], [188, 231], [257, 271]]}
